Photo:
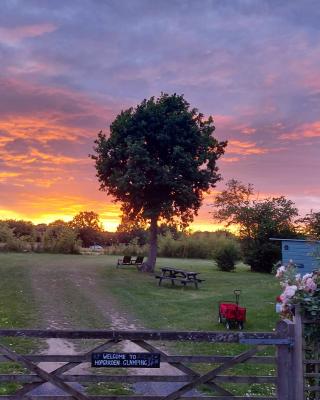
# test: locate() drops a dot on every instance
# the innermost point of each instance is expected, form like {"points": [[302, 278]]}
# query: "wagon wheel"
{"points": [[228, 325], [240, 325], [219, 319]]}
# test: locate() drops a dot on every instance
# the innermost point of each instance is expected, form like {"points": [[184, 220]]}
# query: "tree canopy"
{"points": [[87, 219], [311, 225], [158, 161], [89, 227], [257, 220]]}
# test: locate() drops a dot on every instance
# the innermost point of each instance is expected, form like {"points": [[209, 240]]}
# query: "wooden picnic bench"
{"points": [[179, 275]]}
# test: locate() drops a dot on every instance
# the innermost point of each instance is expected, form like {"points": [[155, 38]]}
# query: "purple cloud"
{"points": [[67, 70]]}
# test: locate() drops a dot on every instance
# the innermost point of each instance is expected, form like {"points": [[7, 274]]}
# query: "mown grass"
{"points": [[168, 307], [17, 310], [165, 307], [179, 308]]}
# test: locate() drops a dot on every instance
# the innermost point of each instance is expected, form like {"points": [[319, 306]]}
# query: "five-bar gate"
{"points": [[287, 379]]}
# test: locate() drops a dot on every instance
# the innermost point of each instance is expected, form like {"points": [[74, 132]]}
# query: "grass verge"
{"points": [[185, 308]]}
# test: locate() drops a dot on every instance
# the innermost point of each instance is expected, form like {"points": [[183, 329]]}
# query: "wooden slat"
{"points": [[26, 389], [67, 367], [71, 365], [81, 358], [211, 374], [220, 359], [34, 397], [197, 336], [30, 378], [181, 367], [43, 374]]}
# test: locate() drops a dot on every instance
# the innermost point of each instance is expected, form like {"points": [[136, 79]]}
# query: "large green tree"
{"points": [[158, 161], [257, 220], [89, 227]]}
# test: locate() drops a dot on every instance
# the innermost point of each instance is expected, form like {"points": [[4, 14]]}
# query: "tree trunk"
{"points": [[149, 265]]}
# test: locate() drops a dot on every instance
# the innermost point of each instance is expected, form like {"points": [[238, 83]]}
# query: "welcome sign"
{"points": [[126, 360]]}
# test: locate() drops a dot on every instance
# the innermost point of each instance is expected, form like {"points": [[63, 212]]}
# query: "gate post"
{"points": [[290, 360], [297, 357], [285, 390]]}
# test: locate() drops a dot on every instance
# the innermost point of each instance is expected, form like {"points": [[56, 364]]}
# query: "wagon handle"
{"points": [[237, 293]]}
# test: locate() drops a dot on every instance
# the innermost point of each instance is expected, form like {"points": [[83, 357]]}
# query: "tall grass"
{"points": [[199, 245]]}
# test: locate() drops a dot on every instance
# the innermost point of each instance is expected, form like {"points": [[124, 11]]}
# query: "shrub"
{"points": [[8, 240], [198, 245], [261, 256], [62, 240], [226, 255], [131, 249]]}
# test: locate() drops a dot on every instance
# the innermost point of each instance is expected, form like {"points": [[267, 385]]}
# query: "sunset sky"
{"points": [[67, 68]]}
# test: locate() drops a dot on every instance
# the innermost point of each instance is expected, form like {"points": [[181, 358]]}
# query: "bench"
{"points": [[128, 260], [179, 275]]}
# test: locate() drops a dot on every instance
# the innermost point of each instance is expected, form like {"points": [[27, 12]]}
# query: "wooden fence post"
{"points": [[290, 360], [284, 364], [297, 357]]}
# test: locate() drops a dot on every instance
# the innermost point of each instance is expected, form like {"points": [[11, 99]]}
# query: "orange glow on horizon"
{"points": [[109, 224]]}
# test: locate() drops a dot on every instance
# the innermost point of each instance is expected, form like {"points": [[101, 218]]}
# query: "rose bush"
{"points": [[299, 289]]}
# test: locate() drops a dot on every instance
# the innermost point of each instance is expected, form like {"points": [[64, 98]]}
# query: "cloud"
{"points": [[14, 35], [34, 158], [55, 159], [68, 69], [290, 136], [45, 114], [230, 159], [4, 176], [22, 98], [47, 208], [248, 130], [244, 148], [39, 129], [309, 130]]}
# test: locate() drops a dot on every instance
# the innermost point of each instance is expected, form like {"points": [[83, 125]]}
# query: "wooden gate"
{"points": [[217, 367]]}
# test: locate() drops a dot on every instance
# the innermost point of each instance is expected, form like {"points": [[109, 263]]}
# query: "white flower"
{"points": [[306, 276], [280, 271], [290, 291], [311, 285]]}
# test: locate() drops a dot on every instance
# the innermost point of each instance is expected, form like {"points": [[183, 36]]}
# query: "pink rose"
{"points": [[310, 285]]}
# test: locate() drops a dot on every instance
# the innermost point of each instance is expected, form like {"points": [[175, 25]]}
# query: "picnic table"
{"points": [[179, 275]]}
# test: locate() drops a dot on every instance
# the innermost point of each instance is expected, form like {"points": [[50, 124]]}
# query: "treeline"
{"points": [[84, 230], [257, 223]]}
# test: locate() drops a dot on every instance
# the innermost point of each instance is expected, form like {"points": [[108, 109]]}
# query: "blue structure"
{"points": [[302, 253]]}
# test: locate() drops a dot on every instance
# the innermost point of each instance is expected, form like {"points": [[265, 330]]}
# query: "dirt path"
{"points": [[71, 298]]}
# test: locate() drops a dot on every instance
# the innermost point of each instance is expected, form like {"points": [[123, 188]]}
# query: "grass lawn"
{"points": [[179, 308], [168, 307], [138, 294]]}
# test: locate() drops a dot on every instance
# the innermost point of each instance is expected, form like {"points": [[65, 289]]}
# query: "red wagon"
{"points": [[231, 313]]}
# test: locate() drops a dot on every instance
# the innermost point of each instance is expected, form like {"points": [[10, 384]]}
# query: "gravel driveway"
{"points": [[69, 298]]}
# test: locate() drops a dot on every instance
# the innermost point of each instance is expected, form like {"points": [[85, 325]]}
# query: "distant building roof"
{"points": [[296, 240]]}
